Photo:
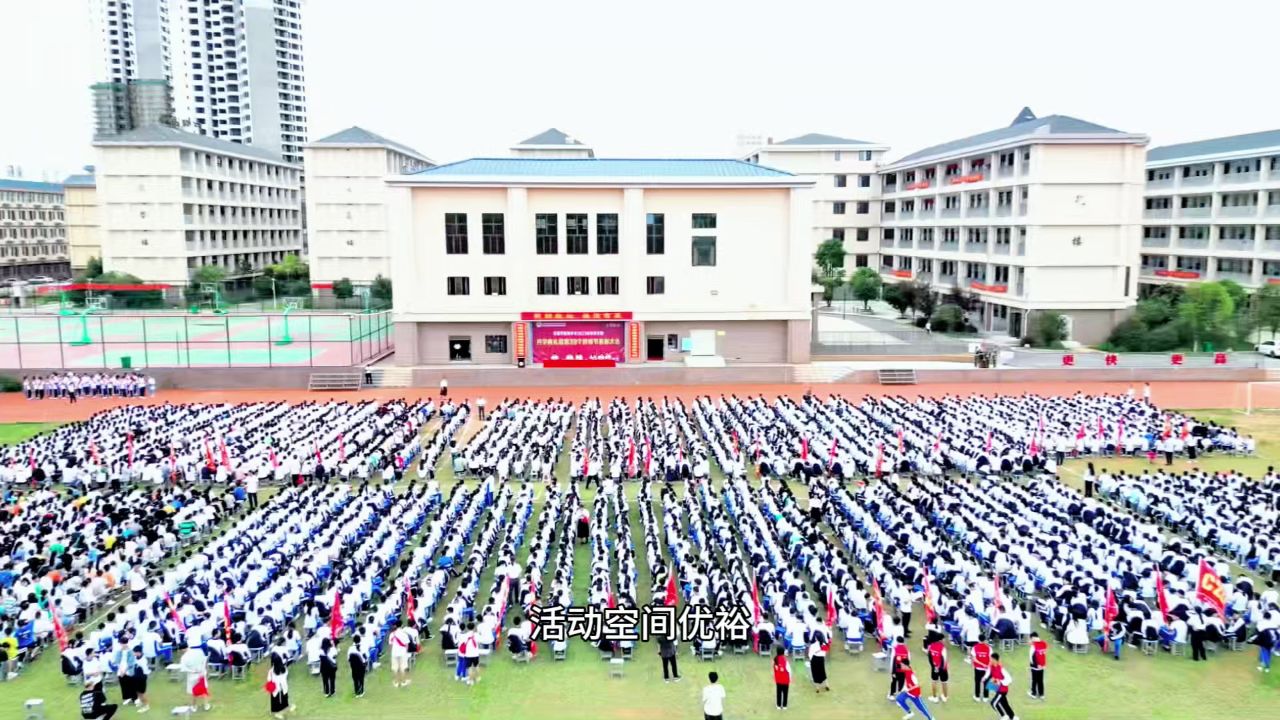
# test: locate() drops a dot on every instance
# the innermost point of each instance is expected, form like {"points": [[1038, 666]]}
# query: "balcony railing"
{"points": [[1152, 271], [1022, 249], [1005, 171], [1157, 213], [1240, 277], [1238, 211], [1022, 209], [886, 243], [948, 213], [1002, 248], [1243, 177], [1160, 184], [1236, 244], [1197, 180], [978, 212], [1271, 245], [925, 245], [1152, 242], [1193, 243], [949, 246], [1273, 210], [946, 279], [1004, 210], [976, 248], [905, 244], [1195, 212]]}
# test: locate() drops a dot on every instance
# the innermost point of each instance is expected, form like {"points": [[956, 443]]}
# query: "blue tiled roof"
{"points": [[1047, 125], [1216, 146], [29, 185], [80, 181], [602, 167]]}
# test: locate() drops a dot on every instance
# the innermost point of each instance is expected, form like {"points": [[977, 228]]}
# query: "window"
{"points": [[837, 208], [578, 285], [455, 233], [459, 285], [607, 285], [655, 234], [575, 235], [836, 156], [887, 233], [704, 221], [842, 181], [864, 181], [860, 261], [494, 233], [545, 234], [607, 234], [496, 344], [548, 285], [655, 285], [704, 252], [864, 208], [495, 286], [864, 155], [863, 234], [837, 234]]}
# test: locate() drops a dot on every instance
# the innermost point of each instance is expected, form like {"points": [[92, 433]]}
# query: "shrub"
{"points": [[10, 384], [342, 289], [948, 318]]}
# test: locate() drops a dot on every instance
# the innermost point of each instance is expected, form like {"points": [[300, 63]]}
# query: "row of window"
{"points": [[974, 166], [1231, 167], [550, 285], [947, 268], [26, 233], [861, 208], [1270, 268], [577, 240], [32, 250], [1201, 232], [28, 214], [864, 181], [32, 198]]}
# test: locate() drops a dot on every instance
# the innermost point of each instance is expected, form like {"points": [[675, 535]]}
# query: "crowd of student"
{"points": [[786, 538], [77, 385]]}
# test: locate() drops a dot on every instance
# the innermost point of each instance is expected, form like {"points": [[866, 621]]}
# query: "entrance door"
{"points": [[459, 349], [655, 348], [1015, 324]]}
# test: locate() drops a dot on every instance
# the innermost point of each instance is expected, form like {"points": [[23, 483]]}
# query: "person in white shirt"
{"points": [[713, 698], [402, 642]]}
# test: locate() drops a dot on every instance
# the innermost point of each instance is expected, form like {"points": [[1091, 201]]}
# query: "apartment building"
{"points": [[33, 236], [1212, 211], [552, 143], [846, 191], [83, 234], [347, 202], [546, 259], [1044, 214], [170, 202]]}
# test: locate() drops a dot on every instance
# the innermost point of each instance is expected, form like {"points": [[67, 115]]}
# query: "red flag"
{"points": [[173, 462], [878, 607], [222, 448], [59, 631], [988, 441], [831, 607], [901, 446], [1161, 598], [1035, 448], [1119, 434], [1168, 427], [999, 595], [93, 451], [879, 457], [315, 445], [586, 461], [533, 646], [226, 617], [937, 443], [335, 615], [831, 457], [173, 610], [1209, 589], [129, 440], [271, 453], [756, 614], [735, 444], [1109, 613], [804, 448], [208, 452], [342, 447], [757, 450], [672, 596], [1080, 433], [1186, 430], [409, 603], [613, 602], [1099, 434], [631, 456], [680, 455], [929, 612]]}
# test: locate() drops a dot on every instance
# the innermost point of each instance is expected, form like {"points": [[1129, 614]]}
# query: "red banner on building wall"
{"points": [[578, 341], [626, 315], [633, 340], [521, 344]]}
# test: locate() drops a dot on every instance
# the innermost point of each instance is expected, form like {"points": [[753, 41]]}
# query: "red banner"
{"points": [[1180, 274], [902, 273], [521, 343], [575, 316], [974, 284], [576, 341], [633, 340]]}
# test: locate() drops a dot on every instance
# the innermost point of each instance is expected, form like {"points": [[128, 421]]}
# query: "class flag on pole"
{"points": [[226, 617], [804, 448], [929, 613], [129, 440], [879, 457], [335, 615], [173, 610], [1209, 588], [1161, 598], [342, 447], [756, 614], [408, 601], [631, 456], [672, 596], [831, 607]]}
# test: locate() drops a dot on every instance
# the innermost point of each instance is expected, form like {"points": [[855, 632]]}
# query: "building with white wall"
{"points": [[846, 194], [1045, 214], [33, 236], [170, 202], [552, 143], [498, 259], [231, 69], [83, 238], [347, 203], [1212, 211]]}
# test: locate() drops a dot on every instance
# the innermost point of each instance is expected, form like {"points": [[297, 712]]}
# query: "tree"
{"points": [[865, 284], [1268, 302], [947, 318], [208, 274], [243, 267], [923, 298], [381, 289], [1155, 310], [1237, 292], [342, 289], [830, 283], [966, 300], [291, 268], [896, 295], [830, 258], [1207, 310], [93, 268], [1048, 329]]}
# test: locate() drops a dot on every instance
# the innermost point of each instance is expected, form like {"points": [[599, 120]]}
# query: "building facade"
{"points": [[1042, 215], [504, 260], [552, 143], [1212, 211], [83, 239], [347, 203], [33, 236], [229, 69], [169, 202], [846, 195]]}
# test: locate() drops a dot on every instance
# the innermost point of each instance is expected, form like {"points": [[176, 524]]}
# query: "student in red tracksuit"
{"points": [[911, 693], [939, 671], [1039, 657], [781, 677], [981, 655], [1000, 680], [901, 654]]}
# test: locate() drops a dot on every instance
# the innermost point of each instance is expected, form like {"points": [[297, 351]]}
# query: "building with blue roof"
{"points": [[567, 258], [1211, 211], [33, 236], [1040, 215]]}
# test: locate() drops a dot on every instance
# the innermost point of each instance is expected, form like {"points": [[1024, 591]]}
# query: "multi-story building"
{"points": [[846, 195], [83, 239], [1044, 214], [170, 202], [231, 69], [33, 236], [347, 202], [552, 143], [1212, 211], [502, 260]]}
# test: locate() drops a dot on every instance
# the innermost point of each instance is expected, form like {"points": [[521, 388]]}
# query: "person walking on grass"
{"points": [[910, 692], [328, 667], [667, 651], [781, 677], [999, 680], [358, 663], [939, 671], [401, 649], [713, 698], [818, 662], [1039, 657]]}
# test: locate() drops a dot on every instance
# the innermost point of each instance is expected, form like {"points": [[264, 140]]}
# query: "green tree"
{"points": [[93, 268], [1155, 311], [923, 298], [1207, 310], [208, 274], [1268, 304], [381, 289], [291, 268], [830, 258], [865, 285], [1239, 296], [898, 298], [947, 318], [342, 289], [1048, 329], [829, 284]]}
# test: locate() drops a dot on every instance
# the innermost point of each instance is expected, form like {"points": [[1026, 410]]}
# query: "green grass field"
{"points": [[12, 433], [1079, 687]]}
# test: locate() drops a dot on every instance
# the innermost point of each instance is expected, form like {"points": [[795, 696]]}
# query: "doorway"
{"points": [[655, 348], [459, 349], [1015, 324]]}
